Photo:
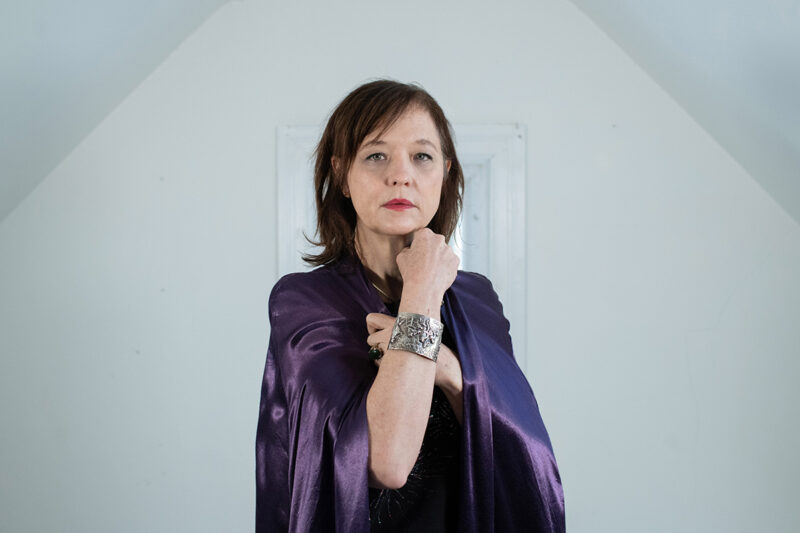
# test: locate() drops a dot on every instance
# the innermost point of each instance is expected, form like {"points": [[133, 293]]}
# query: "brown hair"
{"points": [[373, 106]]}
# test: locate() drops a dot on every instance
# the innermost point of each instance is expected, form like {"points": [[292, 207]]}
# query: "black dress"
{"points": [[428, 502]]}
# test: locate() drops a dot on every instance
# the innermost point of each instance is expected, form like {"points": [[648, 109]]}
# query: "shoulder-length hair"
{"points": [[373, 106]]}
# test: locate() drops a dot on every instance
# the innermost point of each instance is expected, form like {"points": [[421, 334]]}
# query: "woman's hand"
{"points": [[379, 327], [428, 267], [448, 367]]}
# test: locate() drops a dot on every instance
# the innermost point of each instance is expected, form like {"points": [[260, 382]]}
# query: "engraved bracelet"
{"points": [[415, 333]]}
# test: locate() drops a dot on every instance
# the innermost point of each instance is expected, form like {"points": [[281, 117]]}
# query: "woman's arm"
{"points": [[448, 371], [399, 401]]}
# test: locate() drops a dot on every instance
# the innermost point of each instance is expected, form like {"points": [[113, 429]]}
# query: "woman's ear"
{"points": [[335, 164], [447, 170]]}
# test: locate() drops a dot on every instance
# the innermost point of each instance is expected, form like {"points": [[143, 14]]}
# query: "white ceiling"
{"points": [[64, 66], [734, 65]]}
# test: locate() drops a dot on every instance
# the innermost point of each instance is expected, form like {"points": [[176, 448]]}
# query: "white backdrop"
{"points": [[662, 283]]}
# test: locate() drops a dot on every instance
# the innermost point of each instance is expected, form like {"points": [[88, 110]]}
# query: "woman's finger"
{"points": [[381, 338], [379, 321]]}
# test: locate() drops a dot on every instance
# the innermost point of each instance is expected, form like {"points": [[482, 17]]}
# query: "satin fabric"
{"points": [[312, 442]]}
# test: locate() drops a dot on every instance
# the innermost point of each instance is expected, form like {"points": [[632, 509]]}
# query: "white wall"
{"points": [[663, 281]]}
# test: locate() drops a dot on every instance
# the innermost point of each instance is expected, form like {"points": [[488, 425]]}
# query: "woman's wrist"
{"points": [[421, 300]]}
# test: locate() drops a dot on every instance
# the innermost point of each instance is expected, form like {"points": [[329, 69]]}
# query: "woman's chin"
{"points": [[394, 229], [402, 231], [397, 227]]}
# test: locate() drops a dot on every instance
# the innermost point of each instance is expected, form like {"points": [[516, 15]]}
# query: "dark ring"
{"points": [[375, 352]]}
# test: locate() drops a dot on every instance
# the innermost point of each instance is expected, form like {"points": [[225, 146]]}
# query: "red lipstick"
{"points": [[398, 204]]}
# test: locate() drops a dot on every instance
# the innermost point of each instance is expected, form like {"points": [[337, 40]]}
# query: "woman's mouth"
{"points": [[398, 204]]}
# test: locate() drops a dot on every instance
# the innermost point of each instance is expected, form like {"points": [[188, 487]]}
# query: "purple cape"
{"points": [[312, 442]]}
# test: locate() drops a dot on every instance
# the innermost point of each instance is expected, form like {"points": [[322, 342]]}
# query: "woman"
{"points": [[391, 398]]}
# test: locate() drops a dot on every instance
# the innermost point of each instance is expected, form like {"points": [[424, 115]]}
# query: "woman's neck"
{"points": [[378, 254]]}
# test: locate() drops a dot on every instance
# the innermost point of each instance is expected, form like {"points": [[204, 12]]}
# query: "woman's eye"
{"points": [[424, 157], [375, 157]]}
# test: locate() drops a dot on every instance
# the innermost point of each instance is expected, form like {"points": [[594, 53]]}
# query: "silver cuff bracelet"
{"points": [[419, 334]]}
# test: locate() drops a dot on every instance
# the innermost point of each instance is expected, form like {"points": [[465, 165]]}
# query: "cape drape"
{"points": [[312, 443]]}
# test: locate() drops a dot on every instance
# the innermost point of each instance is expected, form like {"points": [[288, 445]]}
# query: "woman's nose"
{"points": [[399, 171]]}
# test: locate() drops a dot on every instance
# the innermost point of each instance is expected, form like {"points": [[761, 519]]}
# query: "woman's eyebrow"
{"points": [[373, 142], [427, 142], [379, 142]]}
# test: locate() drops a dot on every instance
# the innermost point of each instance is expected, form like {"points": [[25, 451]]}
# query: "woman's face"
{"points": [[395, 179]]}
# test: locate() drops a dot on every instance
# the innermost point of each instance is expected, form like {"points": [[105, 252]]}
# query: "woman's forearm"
{"points": [[399, 402]]}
